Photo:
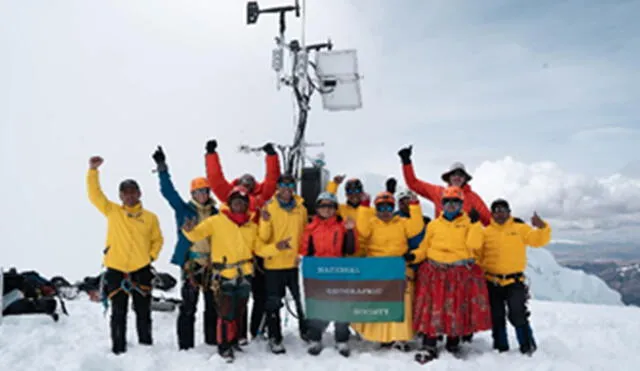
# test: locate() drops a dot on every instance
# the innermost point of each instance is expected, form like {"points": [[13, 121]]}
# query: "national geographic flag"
{"points": [[354, 289]]}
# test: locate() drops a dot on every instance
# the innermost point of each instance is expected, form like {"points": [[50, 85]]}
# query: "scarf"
{"points": [[238, 218]]}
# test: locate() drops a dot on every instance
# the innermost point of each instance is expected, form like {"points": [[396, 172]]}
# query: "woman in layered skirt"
{"points": [[451, 293], [386, 234]]}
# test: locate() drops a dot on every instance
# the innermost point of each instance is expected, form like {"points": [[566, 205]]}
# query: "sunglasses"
{"points": [[287, 185], [384, 208], [451, 202], [501, 209], [352, 191], [204, 191], [329, 206]]}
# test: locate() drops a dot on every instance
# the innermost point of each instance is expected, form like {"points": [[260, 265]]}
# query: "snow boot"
{"points": [[315, 348], [227, 355], [467, 338], [428, 354], [402, 346], [276, 347], [526, 340], [343, 349]]}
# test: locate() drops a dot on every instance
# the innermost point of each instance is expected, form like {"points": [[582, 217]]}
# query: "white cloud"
{"points": [[572, 201]]}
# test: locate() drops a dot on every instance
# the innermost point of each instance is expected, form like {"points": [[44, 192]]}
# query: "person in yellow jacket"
{"points": [[234, 241], [355, 193], [284, 216], [134, 241], [503, 256], [387, 234], [451, 293]]}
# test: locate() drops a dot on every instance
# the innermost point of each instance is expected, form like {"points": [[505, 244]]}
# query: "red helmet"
{"points": [[238, 191]]}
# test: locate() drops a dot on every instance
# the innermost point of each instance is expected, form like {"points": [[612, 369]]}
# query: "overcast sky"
{"points": [[539, 99]]}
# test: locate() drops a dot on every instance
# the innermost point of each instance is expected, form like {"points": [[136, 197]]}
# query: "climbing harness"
{"points": [[126, 286]]}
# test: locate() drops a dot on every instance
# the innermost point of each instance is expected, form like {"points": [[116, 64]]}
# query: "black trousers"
{"points": [[190, 291], [317, 328], [512, 297], [259, 294], [278, 281], [232, 304], [120, 302]]}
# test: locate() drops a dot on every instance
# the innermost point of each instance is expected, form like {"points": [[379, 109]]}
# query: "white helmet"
{"points": [[404, 193]]}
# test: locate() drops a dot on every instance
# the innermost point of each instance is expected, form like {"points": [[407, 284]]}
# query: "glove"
{"points": [[474, 215], [409, 256], [158, 156], [211, 146], [405, 155], [391, 185], [268, 149]]}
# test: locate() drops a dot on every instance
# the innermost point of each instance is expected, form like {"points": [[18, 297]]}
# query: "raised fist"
{"points": [[95, 162], [391, 184], [536, 221], [211, 146], [268, 149], [338, 179], [158, 156], [189, 224], [405, 154]]}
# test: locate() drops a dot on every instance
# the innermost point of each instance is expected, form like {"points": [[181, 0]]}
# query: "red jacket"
{"points": [[328, 238], [433, 193], [262, 191]]}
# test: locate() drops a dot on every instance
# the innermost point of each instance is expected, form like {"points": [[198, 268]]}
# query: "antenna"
{"points": [[334, 74]]}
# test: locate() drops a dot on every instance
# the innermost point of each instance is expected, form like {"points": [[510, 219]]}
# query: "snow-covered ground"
{"points": [[570, 337]]}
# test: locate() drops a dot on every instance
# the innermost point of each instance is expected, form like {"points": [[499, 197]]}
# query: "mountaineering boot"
{"points": [[315, 348], [452, 344], [402, 346], [467, 338], [500, 339], [343, 349], [276, 347], [426, 355], [525, 339]]}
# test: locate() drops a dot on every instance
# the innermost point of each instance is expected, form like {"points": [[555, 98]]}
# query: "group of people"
{"points": [[464, 267]]}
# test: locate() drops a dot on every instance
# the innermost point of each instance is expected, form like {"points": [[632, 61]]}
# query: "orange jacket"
{"points": [[328, 238], [262, 191], [433, 193]]}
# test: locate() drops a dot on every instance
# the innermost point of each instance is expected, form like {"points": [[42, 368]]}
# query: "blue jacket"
{"points": [[182, 210], [415, 241]]}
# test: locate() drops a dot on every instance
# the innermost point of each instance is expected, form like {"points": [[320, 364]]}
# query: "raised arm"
{"points": [[269, 184], [535, 237], [167, 188], [96, 196], [424, 189], [219, 184]]}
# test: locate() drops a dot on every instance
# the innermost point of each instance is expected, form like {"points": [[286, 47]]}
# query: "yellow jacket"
{"points": [[388, 238], [134, 238], [347, 211], [231, 244], [283, 224], [504, 247], [449, 241]]}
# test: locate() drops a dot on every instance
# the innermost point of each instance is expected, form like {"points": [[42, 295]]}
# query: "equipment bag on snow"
{"points": [[161, 304], [38, 294]]}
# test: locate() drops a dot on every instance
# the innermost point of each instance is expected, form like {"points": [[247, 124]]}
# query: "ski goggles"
{"points": [[204, 191], [446, 202], [287, 185], [329, 205], [353, 191], [384, 208]]}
